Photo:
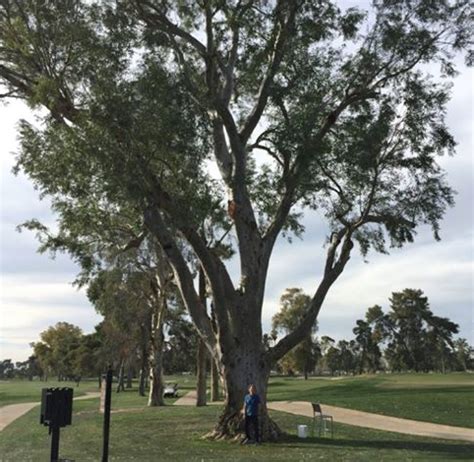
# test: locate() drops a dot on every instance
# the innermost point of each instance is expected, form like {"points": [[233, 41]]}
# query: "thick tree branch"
{"points": [[157, 18], [304, 327], [282, 30], [184, 278], [221, 151]]}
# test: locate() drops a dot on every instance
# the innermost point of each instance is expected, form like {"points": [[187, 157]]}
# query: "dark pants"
{"points": [[251, 421]]}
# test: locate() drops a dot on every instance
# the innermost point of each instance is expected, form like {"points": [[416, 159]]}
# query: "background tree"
{"points": [[56, 352], [416, 338], [7, 369], [369, 351], [464, 354], [304, 356], [28, 369], [332, 359], [180, 344], [134, 301], [90, 360], [353, 131]]}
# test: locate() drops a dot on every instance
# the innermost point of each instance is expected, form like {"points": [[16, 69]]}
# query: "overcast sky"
{"points": [[36, 292]]}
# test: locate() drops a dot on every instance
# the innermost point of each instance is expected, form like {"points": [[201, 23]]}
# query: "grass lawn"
{"points": [[174, 433], [439, 398], [24, 391]]}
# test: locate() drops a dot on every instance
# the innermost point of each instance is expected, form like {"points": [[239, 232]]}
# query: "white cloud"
{"points": [[29, 307]]}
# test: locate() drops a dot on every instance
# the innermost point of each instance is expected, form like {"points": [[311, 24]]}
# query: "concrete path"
{"points": [[377, 421], [11, 412], [189, 399], [362, 419]]}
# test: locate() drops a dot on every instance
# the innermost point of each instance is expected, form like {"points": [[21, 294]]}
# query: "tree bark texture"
{"points": [[155, 396], [201, 385], [202, 353], [121, 377], [214, 381], [141, 381], [129, 376], [242, 369]]}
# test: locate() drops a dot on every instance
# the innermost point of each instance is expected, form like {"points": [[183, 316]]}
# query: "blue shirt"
{"points": [[251, 405]]}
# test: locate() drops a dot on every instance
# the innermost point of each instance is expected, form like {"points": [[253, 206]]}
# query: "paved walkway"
{"points": [[377, 421], [189, 399], [362, 419], [12, 412]]}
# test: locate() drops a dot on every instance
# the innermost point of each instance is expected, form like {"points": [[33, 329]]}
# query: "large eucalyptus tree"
{"points": [[190, 110]]}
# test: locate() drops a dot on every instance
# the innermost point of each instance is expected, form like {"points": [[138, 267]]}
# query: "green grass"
{"points": [[439, 398], [24, 391], [175, 433]]}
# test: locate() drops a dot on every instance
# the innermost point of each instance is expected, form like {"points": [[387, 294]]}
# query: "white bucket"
{"points": [[302, 431]]}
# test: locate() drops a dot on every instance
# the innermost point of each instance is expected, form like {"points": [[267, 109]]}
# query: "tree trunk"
{"points": [[242, 368], [142, 380], [155, 395], [121, 378], [214, 381], [129, 376], [201, 359], [144, 359], [201, 385]]}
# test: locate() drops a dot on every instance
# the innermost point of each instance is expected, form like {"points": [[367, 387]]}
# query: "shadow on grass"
{"points": [[462, 450]]}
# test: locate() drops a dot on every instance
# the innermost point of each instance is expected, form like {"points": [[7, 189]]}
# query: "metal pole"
{"points": [[55, 444], [108, 394]]}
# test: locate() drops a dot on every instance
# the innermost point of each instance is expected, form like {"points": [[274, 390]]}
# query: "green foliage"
{"points": [[369, 351], [342, 358], [139, 103], [180, 350], [7, 369], [416, 338], [304, 357], [56, 352]]}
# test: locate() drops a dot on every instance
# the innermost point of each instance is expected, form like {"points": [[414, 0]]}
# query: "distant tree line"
{"points": [[408, 337], [145, 333], [65, 353]]}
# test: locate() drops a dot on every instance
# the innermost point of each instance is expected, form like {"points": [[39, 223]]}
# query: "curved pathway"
{"points": [[362, 419], [11, 412], [377, 421]]}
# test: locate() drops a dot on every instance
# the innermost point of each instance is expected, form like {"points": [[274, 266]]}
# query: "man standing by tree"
{"points": [[250, 411]]}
